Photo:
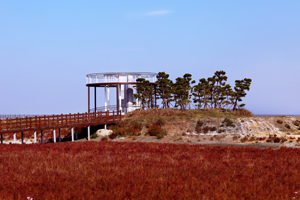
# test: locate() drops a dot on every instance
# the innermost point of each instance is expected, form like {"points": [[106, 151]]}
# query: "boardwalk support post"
{"points": [[22, 138], [34, 136], [54, 135], [42, 137], [59, 137], [1, 138], [89, 133], [15, 138], [76, 133], [72, 133]]}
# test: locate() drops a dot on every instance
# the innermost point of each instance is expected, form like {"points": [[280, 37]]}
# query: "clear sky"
{"points": [[47, 47]]}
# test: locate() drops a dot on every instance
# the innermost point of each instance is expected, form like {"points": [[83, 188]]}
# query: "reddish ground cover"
{"points": [[112, 170]]}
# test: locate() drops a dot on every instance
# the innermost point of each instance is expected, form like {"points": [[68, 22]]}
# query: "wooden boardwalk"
{"points": [[40, 123]]}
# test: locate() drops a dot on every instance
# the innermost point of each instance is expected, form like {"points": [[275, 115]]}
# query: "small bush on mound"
{"points": [[221, 130], [159, 136], [228, 122], [198, 128], [244, 139], [283, 140], [155, 130], [287, 126], [213, 128], [113, 136], [276, 140], [296, 123], [104, 139], [160, 122], [206, 129], [279, 121]]}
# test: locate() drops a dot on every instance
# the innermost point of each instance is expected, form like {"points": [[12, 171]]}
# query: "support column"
{"points": [[1, 138], [89, 133], [42, 137], [151, 97], [117, 97], [15, 138], [34, 137], [105, 104], [120, 97], [22, 138], [105, 98], [89, 99], [95, 98], [76, 133], [108, 103], [59, 138], [54, 135], [72, 134]]}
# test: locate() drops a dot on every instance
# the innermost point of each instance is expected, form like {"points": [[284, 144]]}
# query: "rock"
{"points": [[103, 132]]}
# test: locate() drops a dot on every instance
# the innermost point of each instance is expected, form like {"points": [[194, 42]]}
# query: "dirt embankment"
{"points": [[216, 129]]}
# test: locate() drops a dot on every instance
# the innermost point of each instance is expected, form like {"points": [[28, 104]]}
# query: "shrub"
{"points": [[279, 121], [104, 139], [296, 123], [205, 129], [160, 122], [251, 139], [199, 123], [159, 136], [283, 140], [244, 139], [228, 122], [287, 126], [277, 140], [213, 128], [198, 128], [154, 130], [221, 131], [137, 125], [113, 136]]}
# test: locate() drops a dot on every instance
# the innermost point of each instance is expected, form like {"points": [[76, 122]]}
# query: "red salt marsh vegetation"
{"points": [[113, 170]]}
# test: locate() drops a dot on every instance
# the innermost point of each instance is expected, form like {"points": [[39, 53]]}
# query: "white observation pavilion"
{"points": [[125, 84]]}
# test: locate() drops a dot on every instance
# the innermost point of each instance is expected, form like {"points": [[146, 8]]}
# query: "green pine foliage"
{"points": [[212, 92]]}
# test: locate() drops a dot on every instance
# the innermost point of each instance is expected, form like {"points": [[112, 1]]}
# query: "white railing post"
{"points": [[72, 133], [89, 133], [54, 136], [15, 138], [34, 137]]}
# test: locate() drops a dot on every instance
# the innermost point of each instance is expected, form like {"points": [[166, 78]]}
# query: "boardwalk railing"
{"points": [[58, 121]]}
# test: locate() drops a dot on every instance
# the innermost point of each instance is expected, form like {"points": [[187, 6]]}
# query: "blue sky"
{"points": [[47, 48]]}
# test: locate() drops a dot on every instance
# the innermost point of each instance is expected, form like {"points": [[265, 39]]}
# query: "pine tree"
{"points": [[239, 91], [164, 88], [182, 91], [143, 92]]}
